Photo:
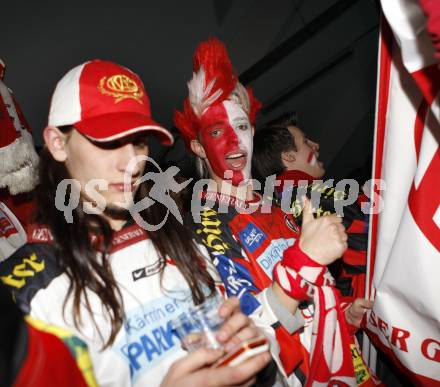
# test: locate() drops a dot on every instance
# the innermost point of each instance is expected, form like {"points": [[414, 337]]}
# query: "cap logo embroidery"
{"points": [[120, 87]]}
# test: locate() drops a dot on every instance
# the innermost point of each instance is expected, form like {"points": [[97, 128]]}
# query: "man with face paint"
{"points": [[245, 243], [227, 137], [281, 148]]}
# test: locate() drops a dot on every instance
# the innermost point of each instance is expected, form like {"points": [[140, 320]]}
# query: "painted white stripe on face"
{"points": [[239, 121], [312, 160]]}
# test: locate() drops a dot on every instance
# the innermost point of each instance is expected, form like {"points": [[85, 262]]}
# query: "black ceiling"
{"points": [[316, 57]]}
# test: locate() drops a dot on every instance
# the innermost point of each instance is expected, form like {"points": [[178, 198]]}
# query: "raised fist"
{"points": [[323, 239]]}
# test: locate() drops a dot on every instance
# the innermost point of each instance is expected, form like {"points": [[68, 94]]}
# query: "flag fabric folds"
{"points": [[404, 259]]}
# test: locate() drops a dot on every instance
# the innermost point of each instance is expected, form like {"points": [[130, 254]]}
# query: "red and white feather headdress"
{"points": [[213, 82]]}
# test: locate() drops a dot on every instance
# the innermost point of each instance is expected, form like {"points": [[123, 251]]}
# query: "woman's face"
{"points": [[86, 160]]}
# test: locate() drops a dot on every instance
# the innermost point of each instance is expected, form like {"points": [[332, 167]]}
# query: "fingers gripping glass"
{"points": [[197, 328]]}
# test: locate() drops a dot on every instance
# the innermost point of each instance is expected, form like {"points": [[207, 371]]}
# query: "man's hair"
{"points": [[88, 270], [270, 142], [285, 119]]}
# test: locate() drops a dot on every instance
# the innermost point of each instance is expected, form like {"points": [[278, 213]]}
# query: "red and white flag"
{"points": [[404, 264]]}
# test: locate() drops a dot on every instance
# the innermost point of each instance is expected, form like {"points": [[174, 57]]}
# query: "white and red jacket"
{"points": [[146, 345]]}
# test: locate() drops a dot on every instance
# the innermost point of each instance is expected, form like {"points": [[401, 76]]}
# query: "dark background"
{"points": [[317, 57]]}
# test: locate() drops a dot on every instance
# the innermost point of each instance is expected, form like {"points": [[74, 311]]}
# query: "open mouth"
{"points": [[236, 160]]}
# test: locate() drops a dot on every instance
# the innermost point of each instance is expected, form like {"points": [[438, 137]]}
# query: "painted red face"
{"points": [[226, 135]]}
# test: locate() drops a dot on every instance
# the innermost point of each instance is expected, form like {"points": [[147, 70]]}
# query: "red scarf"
{"points": [[330, 355]]}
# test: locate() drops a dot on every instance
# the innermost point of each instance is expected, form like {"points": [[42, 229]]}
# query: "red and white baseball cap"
{"points": [[105, 102]]}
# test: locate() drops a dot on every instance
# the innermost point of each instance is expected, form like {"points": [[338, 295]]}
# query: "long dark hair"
{"points": [[88, 270]]}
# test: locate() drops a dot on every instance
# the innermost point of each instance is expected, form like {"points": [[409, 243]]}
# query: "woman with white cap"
{"points": [[90, 268]]}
